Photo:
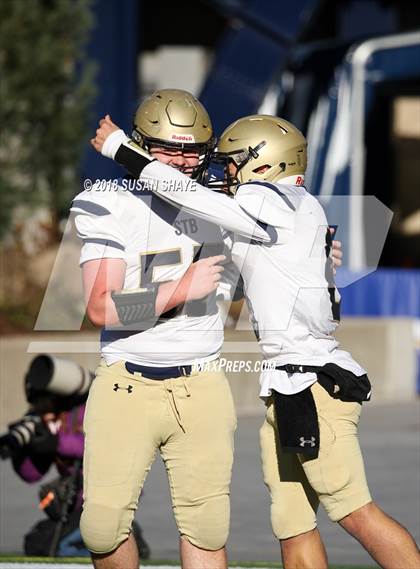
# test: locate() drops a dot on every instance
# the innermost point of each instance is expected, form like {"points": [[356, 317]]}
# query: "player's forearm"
{"points": [[101, 311], [120, 148], [170, 295]]}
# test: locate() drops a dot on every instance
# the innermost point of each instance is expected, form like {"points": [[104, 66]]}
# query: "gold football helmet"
{"points": [[262, 147], [175, 119]]}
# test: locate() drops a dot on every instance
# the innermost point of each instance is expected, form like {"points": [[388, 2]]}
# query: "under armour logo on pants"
{"points": [[117, 387]]}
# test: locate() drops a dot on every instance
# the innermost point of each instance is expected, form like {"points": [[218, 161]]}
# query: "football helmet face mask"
{"points": [[174, 120], [260, 148]]}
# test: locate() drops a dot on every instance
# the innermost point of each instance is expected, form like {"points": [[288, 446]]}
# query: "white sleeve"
{"points": [[113, 142], [99, 230], [180, 190], [270, 203], [177, 188]]}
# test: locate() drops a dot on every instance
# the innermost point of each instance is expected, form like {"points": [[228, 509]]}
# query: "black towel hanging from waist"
{"points": [[297, 422]]}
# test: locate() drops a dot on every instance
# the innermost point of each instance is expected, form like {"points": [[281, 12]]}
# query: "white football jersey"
{"points": [[289, 287], [158, 242]]}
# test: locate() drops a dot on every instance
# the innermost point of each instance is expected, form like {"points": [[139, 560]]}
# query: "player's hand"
{"points": [[336, 255], [106, 127], [203, 277]]}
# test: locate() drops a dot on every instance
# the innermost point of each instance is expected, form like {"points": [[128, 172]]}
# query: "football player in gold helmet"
{"points": [[134, 248], [295, 311], [261, 148], [175, 128]]}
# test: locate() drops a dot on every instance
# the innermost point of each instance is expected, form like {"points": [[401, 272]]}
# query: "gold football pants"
{"points": [[190, 421], [336, 478]]}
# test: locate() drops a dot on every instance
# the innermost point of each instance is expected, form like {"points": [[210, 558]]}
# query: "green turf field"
{"points": [[15, 562]]}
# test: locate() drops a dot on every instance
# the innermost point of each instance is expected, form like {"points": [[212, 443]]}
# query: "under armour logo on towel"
{"points": [[311, 442], [117, 387]]}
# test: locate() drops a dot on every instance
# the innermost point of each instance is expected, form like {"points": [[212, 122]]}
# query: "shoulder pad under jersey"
{"points": [[269, 203]]}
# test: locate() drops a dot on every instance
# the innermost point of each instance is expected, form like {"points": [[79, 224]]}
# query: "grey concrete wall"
{"points": [[385, 347]]}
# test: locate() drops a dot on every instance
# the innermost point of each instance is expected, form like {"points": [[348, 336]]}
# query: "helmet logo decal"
{"points": [[254, 151], [182, 137]]}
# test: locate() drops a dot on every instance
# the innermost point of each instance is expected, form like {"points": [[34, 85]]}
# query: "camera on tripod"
{"points": [[51, 385]]}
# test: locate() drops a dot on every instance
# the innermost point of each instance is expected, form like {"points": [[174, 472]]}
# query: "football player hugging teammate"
{"points": [[313, 389], [150, 273]]}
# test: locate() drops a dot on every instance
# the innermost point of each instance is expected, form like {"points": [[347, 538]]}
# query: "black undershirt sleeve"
{"points": [[133, 161]]}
